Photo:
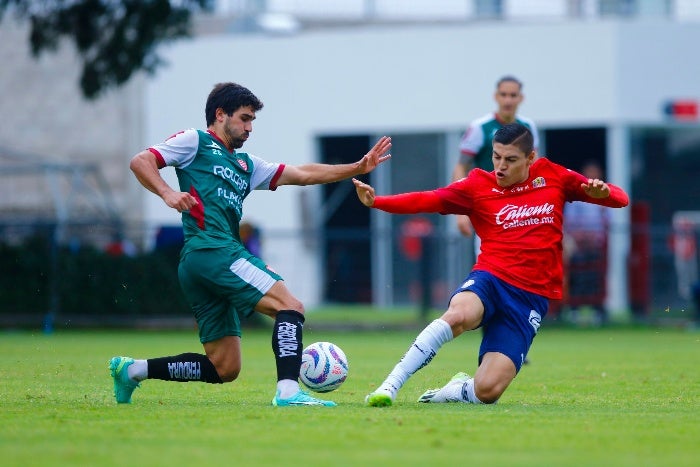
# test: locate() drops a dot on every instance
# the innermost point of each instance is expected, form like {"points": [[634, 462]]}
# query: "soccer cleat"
{"points": [[123, 385], [300, 398], [451, 392], [379, 399]]}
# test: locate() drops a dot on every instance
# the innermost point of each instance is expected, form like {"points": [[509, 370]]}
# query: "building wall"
{"points": [[43, 113]]}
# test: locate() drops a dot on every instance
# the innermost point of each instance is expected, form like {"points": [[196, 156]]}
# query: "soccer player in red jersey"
{"points": [[517, 211]]}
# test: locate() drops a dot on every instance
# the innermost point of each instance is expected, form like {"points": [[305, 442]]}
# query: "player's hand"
{"points": [[365, 192], [596, 188], [375, 156], [465, 226], [180, 201]]}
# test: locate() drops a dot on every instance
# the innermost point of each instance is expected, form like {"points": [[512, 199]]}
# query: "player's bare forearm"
{"points": [[458, 172], [462, 168], [314, 174], [145, 168]]}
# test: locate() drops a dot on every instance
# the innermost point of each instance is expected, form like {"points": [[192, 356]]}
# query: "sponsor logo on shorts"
{"points": [[535, 320]]}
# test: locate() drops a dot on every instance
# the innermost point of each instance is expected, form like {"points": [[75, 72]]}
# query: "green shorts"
{"points": [[221, 285]]}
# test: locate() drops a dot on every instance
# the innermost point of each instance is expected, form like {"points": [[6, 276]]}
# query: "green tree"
{"points": [[115, 38]]}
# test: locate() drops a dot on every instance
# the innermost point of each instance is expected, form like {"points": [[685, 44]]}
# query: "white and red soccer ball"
{"points": [[324, 367]]}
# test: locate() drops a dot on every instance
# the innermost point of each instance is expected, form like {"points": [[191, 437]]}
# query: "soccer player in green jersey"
{"points": [[221, 280]]}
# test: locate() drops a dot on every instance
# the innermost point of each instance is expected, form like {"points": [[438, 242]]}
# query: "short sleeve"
{"points": [[179, 150]]}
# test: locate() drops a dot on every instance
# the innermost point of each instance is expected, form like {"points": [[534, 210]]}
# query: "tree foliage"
{"points": [[115, 38]]}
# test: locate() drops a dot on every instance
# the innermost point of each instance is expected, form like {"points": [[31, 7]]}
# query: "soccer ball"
{"points": [[324, 367]]}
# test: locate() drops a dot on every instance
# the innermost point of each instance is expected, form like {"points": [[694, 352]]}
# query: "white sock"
{"points": [[468, 392], [421, 352], [138, 371], [287, 388]]}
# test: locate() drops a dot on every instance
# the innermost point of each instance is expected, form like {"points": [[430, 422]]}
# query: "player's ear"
{"points": [[531, 157]]}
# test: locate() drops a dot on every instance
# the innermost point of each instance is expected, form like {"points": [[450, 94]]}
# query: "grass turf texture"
{"points": [[607, 397]]}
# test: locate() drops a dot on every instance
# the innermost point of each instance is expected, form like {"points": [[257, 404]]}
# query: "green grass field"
{"points": [[621, 396]]}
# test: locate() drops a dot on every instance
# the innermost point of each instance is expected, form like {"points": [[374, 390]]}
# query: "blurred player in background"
{"points": [[221, 280], [517, 210]]}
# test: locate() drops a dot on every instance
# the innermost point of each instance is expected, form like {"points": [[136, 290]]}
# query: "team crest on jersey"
{"points": [[538, 182], [242, 163]]}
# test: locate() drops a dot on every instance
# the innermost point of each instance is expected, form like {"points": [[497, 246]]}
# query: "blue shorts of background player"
{"points": [[512, 316]]}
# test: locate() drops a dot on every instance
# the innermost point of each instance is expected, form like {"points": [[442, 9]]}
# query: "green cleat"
{"points": [[300, 398], [123, 385], [379, 399], [451, 392]]}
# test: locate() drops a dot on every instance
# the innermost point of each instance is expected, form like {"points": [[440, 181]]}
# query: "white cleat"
{"points": [[451, 392]]}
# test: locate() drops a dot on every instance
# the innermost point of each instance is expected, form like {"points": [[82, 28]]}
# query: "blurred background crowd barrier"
{"points": [[90, 275]]}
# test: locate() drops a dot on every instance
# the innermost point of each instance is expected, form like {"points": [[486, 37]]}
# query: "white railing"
{"points": [[460, 10]]}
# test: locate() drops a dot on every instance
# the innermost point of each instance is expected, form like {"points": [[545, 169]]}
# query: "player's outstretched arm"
{"points": [[402, 203], [314, 174]]}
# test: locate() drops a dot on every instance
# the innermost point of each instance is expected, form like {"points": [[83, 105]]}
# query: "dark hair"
{"points": [[229, 97], [516, 134], [509, 79]]}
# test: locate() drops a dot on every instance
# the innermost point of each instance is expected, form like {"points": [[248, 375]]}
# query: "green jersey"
{"points": [[476, 142], [219, 179]]}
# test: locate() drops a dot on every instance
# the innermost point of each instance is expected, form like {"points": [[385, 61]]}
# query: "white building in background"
{"points": [[360, 69]]}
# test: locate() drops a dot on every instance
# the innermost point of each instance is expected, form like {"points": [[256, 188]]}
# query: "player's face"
{"points": [[238, 126], [510, 164], [508, 98]]}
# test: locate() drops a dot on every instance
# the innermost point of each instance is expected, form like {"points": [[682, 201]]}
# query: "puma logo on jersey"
{"points": [[498, 191]]}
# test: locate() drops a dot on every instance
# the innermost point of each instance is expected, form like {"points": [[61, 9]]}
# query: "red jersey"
{"points": [[520, 226]]}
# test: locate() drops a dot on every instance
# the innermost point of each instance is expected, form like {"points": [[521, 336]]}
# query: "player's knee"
{"points": [[228, 370], [490, 390], [298, 306], [228, 375]]}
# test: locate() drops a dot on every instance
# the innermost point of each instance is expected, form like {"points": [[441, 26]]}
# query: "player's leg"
{"points": [[513, 318], [219, 332], [494, 375], [464, 313], [128, 372], [287, 345], [492, 378]]}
